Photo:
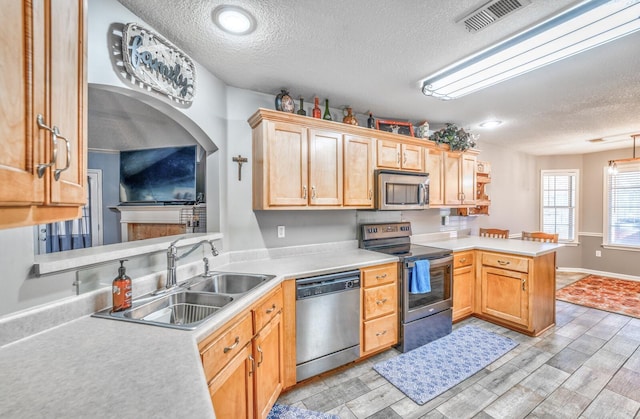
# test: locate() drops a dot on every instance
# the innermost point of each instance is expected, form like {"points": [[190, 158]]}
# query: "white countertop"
{"points": [[514, 246], [95, 367]]}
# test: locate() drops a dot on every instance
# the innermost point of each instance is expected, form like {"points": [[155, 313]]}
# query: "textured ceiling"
{"points": [[372, 55]]}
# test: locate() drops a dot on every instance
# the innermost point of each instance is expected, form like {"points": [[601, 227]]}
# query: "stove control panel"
{"points": [[386, 230]]}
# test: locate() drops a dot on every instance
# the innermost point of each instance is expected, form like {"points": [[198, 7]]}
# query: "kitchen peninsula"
{"points": [[88, 360]]}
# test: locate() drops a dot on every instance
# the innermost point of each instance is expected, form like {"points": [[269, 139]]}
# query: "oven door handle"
{"points": [[433, 263]]}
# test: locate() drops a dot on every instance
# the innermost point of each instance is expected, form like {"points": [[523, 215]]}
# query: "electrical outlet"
{"points": [[280, 232], [598, 253]]}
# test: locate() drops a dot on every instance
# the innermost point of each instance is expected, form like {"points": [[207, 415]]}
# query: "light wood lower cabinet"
{"points": [[379, 308], [243, 363], [232, 389], [464, 276], [516, 291]]}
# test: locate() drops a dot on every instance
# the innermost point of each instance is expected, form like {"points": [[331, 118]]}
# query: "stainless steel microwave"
{"points": [[397, 190]]}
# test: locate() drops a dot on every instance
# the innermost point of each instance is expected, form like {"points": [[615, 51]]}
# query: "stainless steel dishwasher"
{"points": [[327, 322]]}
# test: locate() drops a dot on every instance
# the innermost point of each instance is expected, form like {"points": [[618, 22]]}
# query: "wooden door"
{"points": [[232, 389], [451, 178], [267, 352], [388, 154], [468, 186], [504, 295], [435, 167], [325, 168], [22, 98], [67, 103], [412, 157], [286, 158], [358, 172]]}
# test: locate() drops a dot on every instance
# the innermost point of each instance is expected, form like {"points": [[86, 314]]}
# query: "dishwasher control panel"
{"points": [[326, 284]]}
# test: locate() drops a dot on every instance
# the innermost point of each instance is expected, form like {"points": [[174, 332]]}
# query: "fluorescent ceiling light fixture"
{"points": [[234, 19], [579, 28], [490, 124]]}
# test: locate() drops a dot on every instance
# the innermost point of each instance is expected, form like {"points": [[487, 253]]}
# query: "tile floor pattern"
{"points": [[587, 366]]}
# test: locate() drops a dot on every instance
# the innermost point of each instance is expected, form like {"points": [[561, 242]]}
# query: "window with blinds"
{"points": [[622, 211], [560, 203]]}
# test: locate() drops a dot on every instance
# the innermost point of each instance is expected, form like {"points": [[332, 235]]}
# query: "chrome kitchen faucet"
{"points": [[172, 258]]}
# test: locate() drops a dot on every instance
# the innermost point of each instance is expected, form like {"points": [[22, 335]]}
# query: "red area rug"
{"points": [[604, 293]]}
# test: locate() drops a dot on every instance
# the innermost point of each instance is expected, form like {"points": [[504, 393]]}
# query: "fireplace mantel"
{"points": [[165, 216]]}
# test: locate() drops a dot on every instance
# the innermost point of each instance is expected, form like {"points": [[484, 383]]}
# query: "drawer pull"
{"points": [[503, 262], [380, 302], [272, 309], [384, 332], [463, 260], [253, 365], [261, 355], [381, 276], [232, 347]]}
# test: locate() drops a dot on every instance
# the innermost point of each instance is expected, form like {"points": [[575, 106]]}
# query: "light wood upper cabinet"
{"points": [[435, 169], [280, 150], [43, 73], [395, 155], [459, 178], [325, 168], [358, 172]]}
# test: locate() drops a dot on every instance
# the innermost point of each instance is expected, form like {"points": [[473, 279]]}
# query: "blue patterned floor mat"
{"points": [[432, 369], [281, 411]]}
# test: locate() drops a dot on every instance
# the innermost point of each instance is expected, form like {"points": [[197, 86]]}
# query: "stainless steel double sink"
{"points": [[189, 304]]}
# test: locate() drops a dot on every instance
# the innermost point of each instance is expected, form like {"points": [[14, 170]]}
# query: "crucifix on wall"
{"points": [[240, 160]]}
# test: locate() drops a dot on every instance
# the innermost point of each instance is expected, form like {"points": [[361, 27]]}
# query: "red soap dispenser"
{"points": [[121, 289]]}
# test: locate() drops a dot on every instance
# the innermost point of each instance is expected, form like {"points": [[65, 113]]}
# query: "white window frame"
{"points": [[633, 166], [565, 172]]}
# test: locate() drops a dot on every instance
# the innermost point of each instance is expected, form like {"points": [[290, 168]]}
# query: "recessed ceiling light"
{"points": [[490, 124], [234, 20]]}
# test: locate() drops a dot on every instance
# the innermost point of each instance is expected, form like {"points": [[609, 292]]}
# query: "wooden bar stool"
{"points": [[539, 236], [494, 232]]}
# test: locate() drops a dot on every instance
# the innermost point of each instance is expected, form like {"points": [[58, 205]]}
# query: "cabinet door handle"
{"points": [[253, 365], [384, 332], [523, 282], [304, 192], [503, 262], [370, 194], [383, 276], [380, 302], [261, 355], [404, 161], [54, 139], [232, 347], [398, 157], [313, 192], [271, 310], [56, 173]]}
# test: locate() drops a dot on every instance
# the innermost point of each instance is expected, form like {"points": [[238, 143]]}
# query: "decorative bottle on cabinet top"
{"points": [[301, 111], [327, 113], [371, 123], [349, 118], [316, 109]]}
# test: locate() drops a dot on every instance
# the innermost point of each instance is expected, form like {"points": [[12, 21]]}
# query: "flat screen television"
{"points": [[167, 175]]}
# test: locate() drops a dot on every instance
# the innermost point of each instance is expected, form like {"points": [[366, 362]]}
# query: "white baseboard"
{"points": [[601, 273]]}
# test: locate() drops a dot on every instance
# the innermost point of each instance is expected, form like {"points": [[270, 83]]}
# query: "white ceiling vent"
{"points": [[491, 12]]}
